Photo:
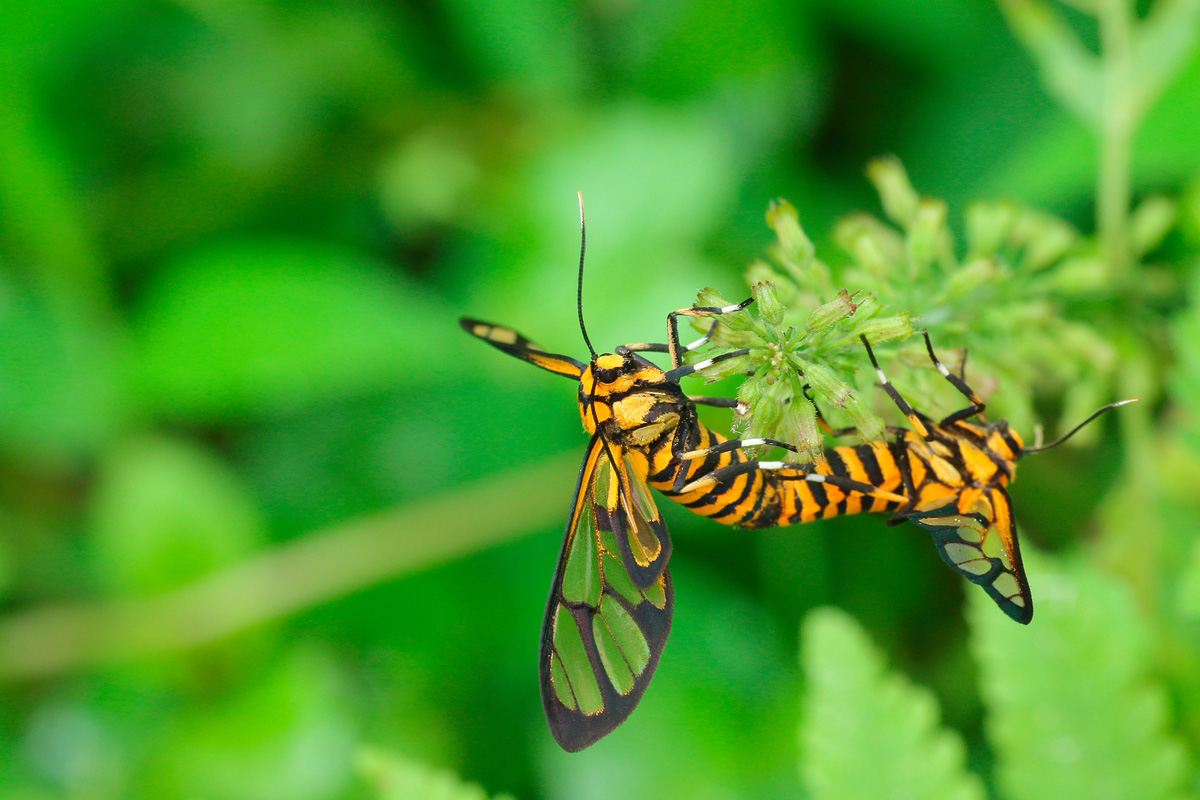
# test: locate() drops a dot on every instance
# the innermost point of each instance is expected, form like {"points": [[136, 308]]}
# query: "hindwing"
{"points": [[974, 533]]}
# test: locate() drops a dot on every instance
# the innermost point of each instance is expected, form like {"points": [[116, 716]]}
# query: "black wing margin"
{"points": [[606, 624]]}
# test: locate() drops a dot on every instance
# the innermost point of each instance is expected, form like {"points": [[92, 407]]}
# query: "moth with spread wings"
{"points": [[609, 610]]}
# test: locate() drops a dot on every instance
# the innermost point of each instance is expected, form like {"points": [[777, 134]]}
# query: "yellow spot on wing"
{"points": [[1006, 584]]}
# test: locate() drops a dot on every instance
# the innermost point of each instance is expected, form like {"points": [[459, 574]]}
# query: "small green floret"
{"points": [[1005, 294]]}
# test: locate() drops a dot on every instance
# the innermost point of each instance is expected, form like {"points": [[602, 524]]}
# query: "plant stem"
{"points": [[1116, 133], [287, 579]]}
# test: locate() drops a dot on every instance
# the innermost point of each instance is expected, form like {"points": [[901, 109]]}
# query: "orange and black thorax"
{"points": [[630, 401], [956, 460]]}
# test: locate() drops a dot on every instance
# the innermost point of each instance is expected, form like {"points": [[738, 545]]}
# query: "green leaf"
{"points": [[59, 398], [689, 49], [260, 326], [868, 732], [532, 46], [394, 777], [1074, 707], [288, 734], [165, 512]]}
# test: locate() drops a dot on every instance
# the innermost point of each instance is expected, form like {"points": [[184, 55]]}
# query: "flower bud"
{"points": [[876, 248], [827, 385], [799, 427], [970, 276], [867, 305], [1080, 276], [793, 247], [988, 226], [827, 315], [1047, 239], [1150, 222], [738, 365], [764, 407], [864, 420], [887, 329], [734, 321], [895, 191], [785, 289], [769, 307], [709, 297], [927, 236]]}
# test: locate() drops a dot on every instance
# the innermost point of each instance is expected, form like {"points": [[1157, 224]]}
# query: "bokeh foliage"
{"points": [[271, 526]]}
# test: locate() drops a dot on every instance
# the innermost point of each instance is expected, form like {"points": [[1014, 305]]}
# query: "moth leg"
{"points": [[654, 347], [684, 370], [799, 472], [716, 402], [845, 484], [977, 405], [723, 447], [641, 347], [913, 418], [676, 350], [835, 433], [734, 444]]}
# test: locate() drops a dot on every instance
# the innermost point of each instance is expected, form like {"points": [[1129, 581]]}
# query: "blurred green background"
{"points": [[272, 526]]}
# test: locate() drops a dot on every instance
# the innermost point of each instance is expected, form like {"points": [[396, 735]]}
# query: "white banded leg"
{"points": [[977, 405], [800, 474], [684, 370], [676, 349], [723, 447], [901, 403], [654, 347]]}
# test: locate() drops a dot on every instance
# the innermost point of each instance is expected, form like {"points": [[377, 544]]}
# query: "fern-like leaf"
{"points": [[393, 777], [1074, 709], [868, 732]]}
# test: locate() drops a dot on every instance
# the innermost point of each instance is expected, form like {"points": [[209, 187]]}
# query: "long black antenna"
{"points": [[1075, 430], [579, 291]]}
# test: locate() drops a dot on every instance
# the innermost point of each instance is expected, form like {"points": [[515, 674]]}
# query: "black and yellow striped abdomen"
{"points": [[920, 472], [761, 498]]}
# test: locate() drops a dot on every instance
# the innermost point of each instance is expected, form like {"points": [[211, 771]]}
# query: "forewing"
{"points": [[515, 344], [974, 533], [603, 634]]}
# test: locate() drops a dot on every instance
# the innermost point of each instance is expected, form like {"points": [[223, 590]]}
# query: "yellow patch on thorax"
{"points": [[979, 464], [648, 433], [933, 455], [945, 472], [996, 443], [632, 411]]}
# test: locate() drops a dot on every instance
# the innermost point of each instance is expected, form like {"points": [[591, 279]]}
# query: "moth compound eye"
{"points": [[606, 375]]}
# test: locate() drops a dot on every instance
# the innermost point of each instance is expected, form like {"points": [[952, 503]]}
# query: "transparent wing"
{"points": [[604, 630], [975, 535]]}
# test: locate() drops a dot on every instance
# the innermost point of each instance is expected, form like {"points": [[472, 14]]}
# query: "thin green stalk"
{"points": [[1116, 132], [287, 579]]}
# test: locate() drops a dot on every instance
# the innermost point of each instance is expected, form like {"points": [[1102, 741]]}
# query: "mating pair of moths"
{"points": [[609, 611]]}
